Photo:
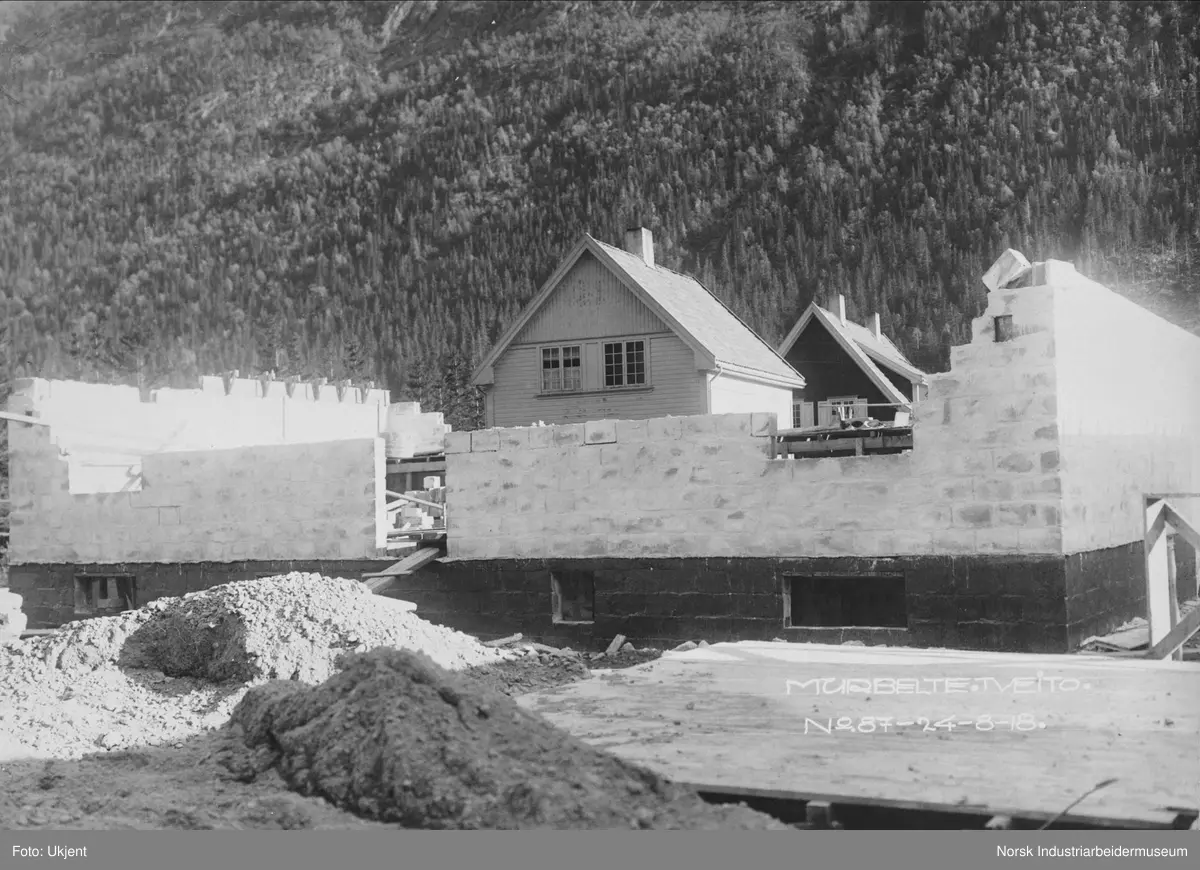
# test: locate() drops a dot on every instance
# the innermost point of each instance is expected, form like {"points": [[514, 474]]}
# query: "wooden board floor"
{"points": [[726, 719]]}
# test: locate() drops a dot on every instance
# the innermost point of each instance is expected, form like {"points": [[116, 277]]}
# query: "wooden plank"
{"points": [[21, 418], [1182, 527], [721, 719], [1158, 603], [1173, 643], [417, 559], [413, 499]]}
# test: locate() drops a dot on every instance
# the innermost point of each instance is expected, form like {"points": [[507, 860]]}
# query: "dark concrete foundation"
{"points": [[1105, 588], [1014, 603], [48, 590], [988, 603]]}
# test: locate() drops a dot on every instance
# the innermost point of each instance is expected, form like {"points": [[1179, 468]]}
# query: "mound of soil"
{"points": [[530, 673], [396, 738], [292, 627], [146, 677]]}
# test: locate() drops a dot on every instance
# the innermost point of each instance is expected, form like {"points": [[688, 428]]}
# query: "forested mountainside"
{"points": [[373, 190]]}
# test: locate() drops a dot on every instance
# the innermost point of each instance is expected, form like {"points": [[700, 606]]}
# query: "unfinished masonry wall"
{"points": [[982, 479], [1129, 412], [299, 501]]}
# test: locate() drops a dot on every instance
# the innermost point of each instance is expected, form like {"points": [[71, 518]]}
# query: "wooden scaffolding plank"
{"points": [[1177, 637], [414, 561], [724, 721]]}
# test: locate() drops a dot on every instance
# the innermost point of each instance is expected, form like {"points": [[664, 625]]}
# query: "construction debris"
{"points": [[1133, 635], [504, 641], [178, 666], [12, 620], [617, 643], [396, 738]]}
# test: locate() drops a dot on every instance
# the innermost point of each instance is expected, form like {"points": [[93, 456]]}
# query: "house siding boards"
{"points": [[829, 371], [601, 294], [730, 395], [590, 302], [676, 387]]}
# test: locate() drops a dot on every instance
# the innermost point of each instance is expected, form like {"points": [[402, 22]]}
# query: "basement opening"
{"points": [[100, 595], [845, 601], [573, 596]]}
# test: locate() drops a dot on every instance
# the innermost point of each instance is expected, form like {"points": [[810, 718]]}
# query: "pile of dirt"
{"points": [[158, 788], [395, 738], [294, 627], [535, 670], [532, 672], [149, 676]]}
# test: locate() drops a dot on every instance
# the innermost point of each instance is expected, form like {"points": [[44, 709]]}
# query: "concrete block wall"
{"points": [[107, 428], [1129, 412], [272, 502], [983, 477], [1040, 444]]}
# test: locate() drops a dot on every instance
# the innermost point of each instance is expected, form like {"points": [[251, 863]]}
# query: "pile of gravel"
{"points": [[393, 737], [294, 627], [178, 666]]}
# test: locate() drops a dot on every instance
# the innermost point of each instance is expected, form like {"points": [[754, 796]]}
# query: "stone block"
{"points": [[977, 515], [997, 540], [697, 424], [1007, 268], [1017, 462], [600, 432], [567, 435], [665, 428], [484, 441], [540, 437], [512, 439], [458, 442], [1041, 540], [763, 423], [630, 431], [732, 425], [957, 541]]}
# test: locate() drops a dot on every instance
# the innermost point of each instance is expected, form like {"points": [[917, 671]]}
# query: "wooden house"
{"points": [[849, 370], [614, 335]]}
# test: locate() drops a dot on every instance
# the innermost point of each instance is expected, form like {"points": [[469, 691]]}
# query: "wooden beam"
{"points": [[1173, 643], [21, 418], [413, 499], [412, 562], [1182, 527], [1158, 597]]}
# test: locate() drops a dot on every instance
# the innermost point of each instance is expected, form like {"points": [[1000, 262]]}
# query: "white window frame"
{"points": [[560, 353], [624, 344], [850, 402]]}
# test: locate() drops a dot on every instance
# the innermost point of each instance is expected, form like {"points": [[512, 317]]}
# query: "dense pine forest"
{"points": [[372, 190]]}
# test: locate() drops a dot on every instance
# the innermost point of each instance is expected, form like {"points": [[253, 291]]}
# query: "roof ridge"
{"points": [[718, 299]]}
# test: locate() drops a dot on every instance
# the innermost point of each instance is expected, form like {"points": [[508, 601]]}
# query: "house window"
{"points": [[874, 601], [573, 596], [625, 364], [847, 407], [104, 594], [561, 371]]}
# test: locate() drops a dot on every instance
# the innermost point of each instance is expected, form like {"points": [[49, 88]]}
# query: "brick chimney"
{"points": [[842, 309], [878, 331], [640, 243]]}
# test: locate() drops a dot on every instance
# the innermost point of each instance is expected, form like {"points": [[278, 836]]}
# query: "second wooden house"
{"points": [[850, 371], [614, 335]]}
